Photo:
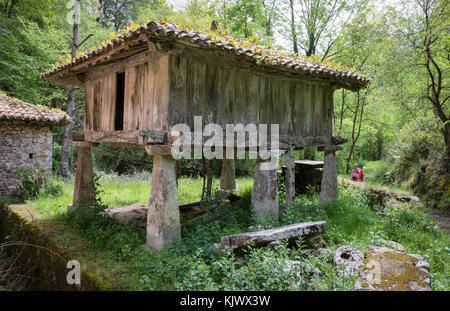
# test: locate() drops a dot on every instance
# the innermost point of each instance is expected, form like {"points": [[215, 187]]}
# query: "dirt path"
{"points": [[442, 220]]}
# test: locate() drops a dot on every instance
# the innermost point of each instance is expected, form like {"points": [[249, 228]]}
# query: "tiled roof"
{"points": [[212, 40], [12, 109]]}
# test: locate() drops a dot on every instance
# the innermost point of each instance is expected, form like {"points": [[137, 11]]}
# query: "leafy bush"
{"points": [[102, 230], [379, 171], [37, 182], [194, 263]]}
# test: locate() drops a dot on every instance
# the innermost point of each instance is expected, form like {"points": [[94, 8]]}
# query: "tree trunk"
{"points": [[341, 113], [294, 33], [359, 104], [308, 153], [227, 178], [447, 138], [71, 96], [289, 181], [209, 178]]}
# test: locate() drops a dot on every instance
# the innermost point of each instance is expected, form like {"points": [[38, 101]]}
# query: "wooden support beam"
{"points": [[159, 150], [227, 178], [265, 191], [159, 137], [128, 137], [163, 219], [125, 145], [84, 189], [330, 148], [78, 136], [153, 137], [289, 181], [338, 140], [82, 144]]}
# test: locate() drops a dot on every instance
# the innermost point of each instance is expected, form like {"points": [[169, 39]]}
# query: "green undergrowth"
{"points": [[121, 261], [120, 191]]}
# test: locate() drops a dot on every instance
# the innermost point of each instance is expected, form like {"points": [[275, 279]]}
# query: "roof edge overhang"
{"points": [[144, 39]]}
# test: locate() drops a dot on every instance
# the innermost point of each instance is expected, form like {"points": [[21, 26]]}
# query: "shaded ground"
{"points": [[442, 219]]}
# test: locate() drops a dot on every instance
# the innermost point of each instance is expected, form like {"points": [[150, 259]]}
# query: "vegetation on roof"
{"points": [[38, 107], [261, 54]]}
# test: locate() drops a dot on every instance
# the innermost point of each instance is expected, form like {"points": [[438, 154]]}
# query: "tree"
{"points": [[114, 13], [317, 20], [71, 95], [427, 32], [358, 113], [7, 6], [293, 28], [253, 20]]}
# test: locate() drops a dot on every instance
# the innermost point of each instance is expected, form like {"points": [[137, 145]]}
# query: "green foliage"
{"points": [[379, 172], [26, 50], [416, 142], [37, 182], [121, 159], [420, 163], [194, 263], [102, 230]]}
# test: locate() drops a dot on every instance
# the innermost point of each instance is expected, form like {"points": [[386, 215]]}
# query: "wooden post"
{"points": [[84, 179], [163, 218], [227, 178], [329, 187], [265, 192], [289, 181]]}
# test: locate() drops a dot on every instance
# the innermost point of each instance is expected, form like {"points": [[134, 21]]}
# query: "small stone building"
{"points": [[25, 139]]}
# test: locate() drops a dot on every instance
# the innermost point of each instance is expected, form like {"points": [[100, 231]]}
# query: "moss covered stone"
{"points": [[389, 270]]}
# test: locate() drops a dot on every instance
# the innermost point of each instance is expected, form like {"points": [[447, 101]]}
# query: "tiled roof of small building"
{"points": [[215, 41], [13, 109]]}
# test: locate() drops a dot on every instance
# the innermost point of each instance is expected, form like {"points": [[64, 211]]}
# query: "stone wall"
{"points": [[22, 145]]}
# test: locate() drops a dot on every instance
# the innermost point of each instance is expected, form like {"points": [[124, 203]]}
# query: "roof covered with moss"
{"points": [[136, 35], [13, 109]]}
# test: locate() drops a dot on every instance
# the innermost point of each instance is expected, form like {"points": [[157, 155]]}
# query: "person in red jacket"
{"points": [[357, 173]]}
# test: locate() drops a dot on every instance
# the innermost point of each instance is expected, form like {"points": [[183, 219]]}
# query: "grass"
{"points": [[123, 191], [193, 263]]}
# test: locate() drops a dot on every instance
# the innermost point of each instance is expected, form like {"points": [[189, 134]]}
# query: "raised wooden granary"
{"points": [[143, 83]]}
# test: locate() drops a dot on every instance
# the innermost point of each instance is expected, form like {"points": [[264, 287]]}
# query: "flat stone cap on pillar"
{"points": [[262, 238], [330, 148], [338, 140]]}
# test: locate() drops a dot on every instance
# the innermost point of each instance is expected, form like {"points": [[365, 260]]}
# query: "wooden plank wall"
{"points": [[200, 87], [222, 95], [145, 100], [99, 112]]}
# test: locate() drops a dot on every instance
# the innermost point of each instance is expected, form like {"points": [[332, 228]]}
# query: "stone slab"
{"points": [[262, 238]]}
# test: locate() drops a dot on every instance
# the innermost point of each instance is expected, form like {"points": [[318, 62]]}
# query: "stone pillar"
{"points": [[265, 192], [329, 187], [84, 189], [227, 178], [163, 218], [289, 178]]}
